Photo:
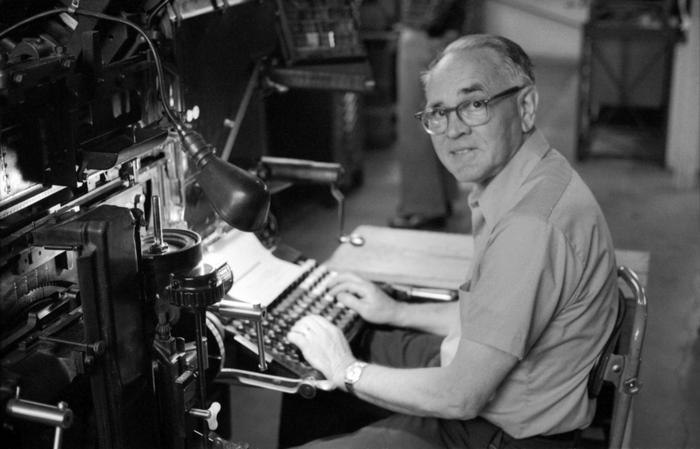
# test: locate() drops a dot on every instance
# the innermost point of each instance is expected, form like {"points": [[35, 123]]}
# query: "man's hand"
{"points": [[363, 296], [324, 346]]}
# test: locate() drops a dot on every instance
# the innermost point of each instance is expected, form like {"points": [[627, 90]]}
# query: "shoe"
{"points": [[418, 221]]}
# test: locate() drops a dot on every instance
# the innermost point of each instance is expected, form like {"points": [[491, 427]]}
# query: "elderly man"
{"points": [[507, 364]]}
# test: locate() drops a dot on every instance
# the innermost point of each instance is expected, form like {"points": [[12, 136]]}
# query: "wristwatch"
{"points": [[352, 374]]}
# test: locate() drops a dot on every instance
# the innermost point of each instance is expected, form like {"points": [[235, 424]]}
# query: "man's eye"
{"points": [[477, 105]]}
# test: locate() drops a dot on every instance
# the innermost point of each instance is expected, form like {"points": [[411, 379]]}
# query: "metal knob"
{"points": [[208, 415]]}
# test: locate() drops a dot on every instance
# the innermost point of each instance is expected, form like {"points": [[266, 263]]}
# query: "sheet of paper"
{"points": [[258, 276]]}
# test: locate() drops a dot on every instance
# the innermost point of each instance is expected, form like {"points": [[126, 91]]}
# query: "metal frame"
{"points": [[621, 358], [623, 369]]}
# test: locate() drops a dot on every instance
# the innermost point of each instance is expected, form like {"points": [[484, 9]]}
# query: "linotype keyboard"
{"points": [[306, 295]]}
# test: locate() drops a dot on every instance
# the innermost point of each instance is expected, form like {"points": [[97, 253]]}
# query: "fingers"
{"points": [[299, 333], [345, 278], [316, 325], [320, 342], [357, 288], [303, 336], [310, 327], [296, 338], [349, 300]]}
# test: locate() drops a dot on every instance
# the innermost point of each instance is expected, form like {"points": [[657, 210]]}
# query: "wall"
{"points": [[557, 24], [683, 141], [550, 31]]}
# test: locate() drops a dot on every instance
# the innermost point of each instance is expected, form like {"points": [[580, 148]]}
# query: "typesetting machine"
{"points": [[112, 322]]}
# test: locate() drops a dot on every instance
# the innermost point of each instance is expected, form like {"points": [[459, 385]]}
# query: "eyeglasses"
{"points": [[470, 112]]}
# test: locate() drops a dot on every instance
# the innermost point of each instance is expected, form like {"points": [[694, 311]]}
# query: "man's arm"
{"points": [[439, 318], [456, 391]]}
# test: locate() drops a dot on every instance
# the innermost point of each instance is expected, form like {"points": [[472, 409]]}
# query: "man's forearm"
{"points": [[457, 390], [435, 318], [419, 391]]}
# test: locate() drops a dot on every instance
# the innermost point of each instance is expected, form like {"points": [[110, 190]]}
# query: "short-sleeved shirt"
{"points": [[543, 288]]}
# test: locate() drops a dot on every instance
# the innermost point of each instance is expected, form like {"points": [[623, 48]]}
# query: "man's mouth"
{"points": [[458, 151]]}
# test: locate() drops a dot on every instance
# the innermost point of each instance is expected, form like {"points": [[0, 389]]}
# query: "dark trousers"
{"points": [[400, 348]]}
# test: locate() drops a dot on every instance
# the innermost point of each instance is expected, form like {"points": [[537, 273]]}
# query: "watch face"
{"points": [[353, 373]]}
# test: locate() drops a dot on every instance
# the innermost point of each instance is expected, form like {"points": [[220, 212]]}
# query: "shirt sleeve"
{"points": [[517, 286]]}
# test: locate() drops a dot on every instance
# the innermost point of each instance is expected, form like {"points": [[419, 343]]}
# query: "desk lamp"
{"points": [[241, 199]]}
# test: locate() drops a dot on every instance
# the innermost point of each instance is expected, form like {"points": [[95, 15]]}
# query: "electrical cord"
{"points": [[155, 10], [82, 12]]}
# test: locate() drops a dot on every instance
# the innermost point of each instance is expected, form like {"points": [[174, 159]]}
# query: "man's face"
{"points": [[475, 153]]}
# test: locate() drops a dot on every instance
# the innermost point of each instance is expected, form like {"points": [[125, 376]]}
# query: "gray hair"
{"points": [[516, 62]]}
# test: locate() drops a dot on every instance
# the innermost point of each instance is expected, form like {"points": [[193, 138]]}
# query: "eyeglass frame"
{"points": [[486, 101]]}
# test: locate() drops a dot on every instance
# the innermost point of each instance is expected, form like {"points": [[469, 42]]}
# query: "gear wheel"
{"points": [[200, 290]]}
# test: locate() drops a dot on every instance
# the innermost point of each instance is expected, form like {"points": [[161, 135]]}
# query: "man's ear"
{"points": [[528, 107]]}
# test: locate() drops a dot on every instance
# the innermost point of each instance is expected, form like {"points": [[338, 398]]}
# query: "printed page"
{"points": [[258, 276]]}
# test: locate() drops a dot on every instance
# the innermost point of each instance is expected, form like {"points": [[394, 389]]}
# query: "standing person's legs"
{"points": [[425, 186]]}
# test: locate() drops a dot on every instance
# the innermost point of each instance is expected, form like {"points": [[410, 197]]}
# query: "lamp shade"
{"points": [[240, 198]]}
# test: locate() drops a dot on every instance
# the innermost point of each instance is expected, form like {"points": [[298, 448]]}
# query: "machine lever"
{"points": [[60, 416], [305, 387], [252, 312], [239, 310], [57, 416]]}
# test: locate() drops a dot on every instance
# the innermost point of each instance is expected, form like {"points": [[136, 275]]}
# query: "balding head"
{"points": [[517, 67]]}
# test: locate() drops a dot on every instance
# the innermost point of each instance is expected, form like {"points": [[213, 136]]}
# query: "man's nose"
{"points": [[456, 127]]}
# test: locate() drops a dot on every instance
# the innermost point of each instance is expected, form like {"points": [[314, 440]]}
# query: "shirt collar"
{"points": [[498, 194]]}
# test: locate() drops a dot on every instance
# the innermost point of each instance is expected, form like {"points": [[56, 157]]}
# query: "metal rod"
{"points": [[42, 413], [240, 113], [340, 199], [157, 223], [96, 348], [199, 317], [241, 313], [200, 413], [193, 8], [628, 380], [58, 434], [262, 363]]}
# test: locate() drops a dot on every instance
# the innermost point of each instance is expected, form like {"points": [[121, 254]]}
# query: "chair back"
{"points": [[621, 357]]}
